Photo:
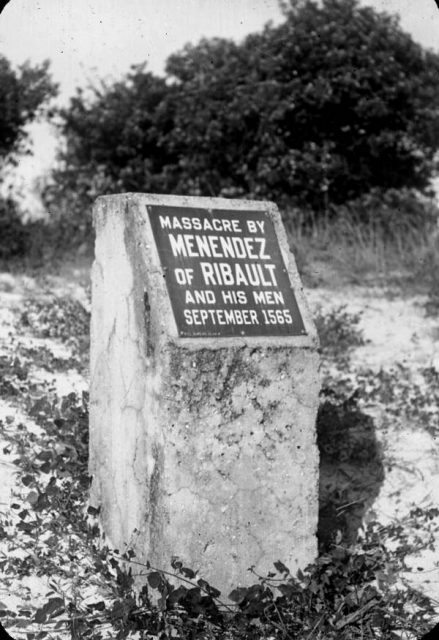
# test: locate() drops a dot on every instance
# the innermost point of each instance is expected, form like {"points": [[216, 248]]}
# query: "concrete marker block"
{"points": [[203, 448]]}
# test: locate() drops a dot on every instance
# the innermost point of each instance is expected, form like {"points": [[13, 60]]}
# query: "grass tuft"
{"points": [[381, 247]]}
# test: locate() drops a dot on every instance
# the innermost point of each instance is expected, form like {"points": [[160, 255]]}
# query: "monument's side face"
{"points": [[201, 447]]}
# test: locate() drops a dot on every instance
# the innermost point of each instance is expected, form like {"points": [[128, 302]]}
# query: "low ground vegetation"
{"points": [[354, 590]]}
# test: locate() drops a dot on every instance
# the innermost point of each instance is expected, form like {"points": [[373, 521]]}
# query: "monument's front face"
{"points": [[204, 387]]}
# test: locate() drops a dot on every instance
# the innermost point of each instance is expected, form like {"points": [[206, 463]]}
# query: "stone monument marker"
{"points": [[204, 387]]}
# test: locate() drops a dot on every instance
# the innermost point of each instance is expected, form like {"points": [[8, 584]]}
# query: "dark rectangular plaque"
{"points": [[225, 273]]}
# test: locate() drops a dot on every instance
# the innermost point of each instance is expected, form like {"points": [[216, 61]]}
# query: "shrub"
{"points": [[13, 233], [24, 94], [338, 331], [330, 105]]}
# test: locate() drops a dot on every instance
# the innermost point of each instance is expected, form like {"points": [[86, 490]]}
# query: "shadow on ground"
{"points": [[351, 469]]}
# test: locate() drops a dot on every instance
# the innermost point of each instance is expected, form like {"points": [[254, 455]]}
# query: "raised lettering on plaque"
{"points": [[225, 273]]}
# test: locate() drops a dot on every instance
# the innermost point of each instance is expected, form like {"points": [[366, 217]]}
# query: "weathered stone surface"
{"points": [[201, 448]]}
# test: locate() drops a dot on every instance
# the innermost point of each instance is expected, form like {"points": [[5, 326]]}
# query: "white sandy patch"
{"points": [[62, 383], [11, 416], [412, 481], [423, 573], [412, 474], [397, 330], [8, 472]]}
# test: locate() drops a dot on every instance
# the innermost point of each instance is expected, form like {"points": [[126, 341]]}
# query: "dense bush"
{"points": [[13, 233], [24, 93], [318, 110], [334, 103], [33, 243]]}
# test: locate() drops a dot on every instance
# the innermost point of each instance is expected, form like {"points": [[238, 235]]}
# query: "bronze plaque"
{"points": [[225, 273]]}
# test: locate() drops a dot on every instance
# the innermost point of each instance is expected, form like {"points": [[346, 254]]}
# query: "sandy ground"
{"points": [[397, 331]]}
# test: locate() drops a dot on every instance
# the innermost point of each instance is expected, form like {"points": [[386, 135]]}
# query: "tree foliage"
{"points": [[334, 102], [23, 94]]}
